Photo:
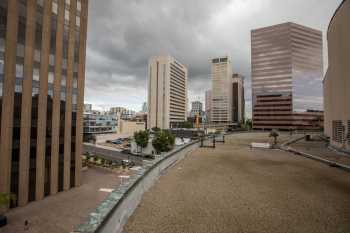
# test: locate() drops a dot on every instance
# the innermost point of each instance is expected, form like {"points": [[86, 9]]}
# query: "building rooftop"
{"points": [[64, 211]]}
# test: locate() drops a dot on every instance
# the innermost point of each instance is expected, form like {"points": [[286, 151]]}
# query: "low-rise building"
{"points": [[99, 124], [128, 128]]}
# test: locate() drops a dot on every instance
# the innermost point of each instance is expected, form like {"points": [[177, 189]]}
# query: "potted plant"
{"points": [[275, 135], [5, 200]]}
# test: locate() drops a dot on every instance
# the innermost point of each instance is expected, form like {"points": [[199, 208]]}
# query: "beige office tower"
{"points": [[42, 74], [221, 72], [238, 100], [167, 92], [287, 70]]}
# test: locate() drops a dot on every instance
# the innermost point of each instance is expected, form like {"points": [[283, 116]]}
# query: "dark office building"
{"points": [[287, 70], [42, 73]]}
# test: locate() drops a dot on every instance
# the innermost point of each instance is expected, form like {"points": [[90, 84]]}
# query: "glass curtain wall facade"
{"points": [[42, 72], [287, 70]]}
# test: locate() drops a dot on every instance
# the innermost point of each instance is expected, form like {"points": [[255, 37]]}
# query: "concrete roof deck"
{"points": [[64, 211], [237, 189]]}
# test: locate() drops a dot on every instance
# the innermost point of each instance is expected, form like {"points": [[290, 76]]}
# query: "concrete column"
{"points": [[81, 84], [8, 97], [57, 99], [42, 106], [69, 88], [26, 112]]}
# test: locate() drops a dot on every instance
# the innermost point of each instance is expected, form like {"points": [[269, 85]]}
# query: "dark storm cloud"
{"points": [[122, 35]]}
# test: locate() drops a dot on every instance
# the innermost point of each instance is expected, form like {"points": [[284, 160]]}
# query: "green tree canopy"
{"points": [[141, 139], [163, 141]]}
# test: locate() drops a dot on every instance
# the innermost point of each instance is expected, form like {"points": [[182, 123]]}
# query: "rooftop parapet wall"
{"points": [[114, 212]]}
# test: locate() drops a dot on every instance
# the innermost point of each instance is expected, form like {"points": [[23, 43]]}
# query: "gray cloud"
{"points": [[122, 35]]}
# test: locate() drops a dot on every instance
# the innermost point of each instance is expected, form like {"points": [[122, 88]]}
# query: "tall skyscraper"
{"points": [[238, 100], [221, 71], [208, 104], [42, 73], [167, 92], [287, 70]]}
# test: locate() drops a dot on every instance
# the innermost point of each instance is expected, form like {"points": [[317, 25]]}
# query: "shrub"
{"points": [[163, 141]]}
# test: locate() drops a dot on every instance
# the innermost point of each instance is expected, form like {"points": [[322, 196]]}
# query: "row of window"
{"points": [[341, 133]]}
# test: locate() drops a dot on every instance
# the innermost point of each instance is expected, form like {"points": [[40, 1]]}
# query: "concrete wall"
{"points": [[337, 80], [125, 209]]}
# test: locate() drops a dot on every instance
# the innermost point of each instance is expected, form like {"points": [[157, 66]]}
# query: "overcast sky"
{"points": [[123, 34]]}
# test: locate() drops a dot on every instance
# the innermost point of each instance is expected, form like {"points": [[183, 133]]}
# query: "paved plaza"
{"points": [[237, 189], [62, 212]]}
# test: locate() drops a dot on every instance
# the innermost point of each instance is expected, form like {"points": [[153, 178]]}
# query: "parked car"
{"points": [[117, 142]]}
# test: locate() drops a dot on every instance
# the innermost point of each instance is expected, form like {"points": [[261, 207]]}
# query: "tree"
{"points": [[163, 141], [247, 124], [141, 139], [275, 135]]}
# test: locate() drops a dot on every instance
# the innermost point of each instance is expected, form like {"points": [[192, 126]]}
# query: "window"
{"points": [[1, 66], [19, 70], [63, 81], [51, 77], [77, 21], [40, 2], [338, 131], [20, 50], [78, 5], [54, 8], [36, 74], [37, 55]]}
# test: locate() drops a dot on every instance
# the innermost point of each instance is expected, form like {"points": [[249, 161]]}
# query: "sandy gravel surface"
{"points": [[236, 189]]}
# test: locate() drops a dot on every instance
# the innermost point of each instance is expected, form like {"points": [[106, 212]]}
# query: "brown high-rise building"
{"points": [[42, 73], [238, 100], [287, 69]]}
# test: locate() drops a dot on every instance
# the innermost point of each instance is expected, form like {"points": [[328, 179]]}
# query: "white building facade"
{"points": [[167, 92]]}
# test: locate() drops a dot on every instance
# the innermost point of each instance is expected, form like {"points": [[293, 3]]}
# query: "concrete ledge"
{"points": [[114, 212], [339, 150], [319, 159]]}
